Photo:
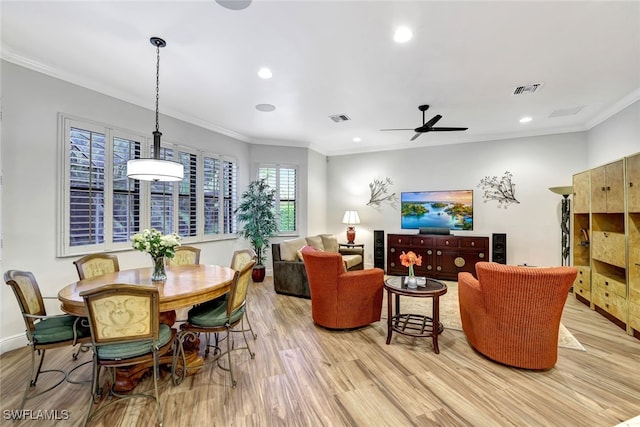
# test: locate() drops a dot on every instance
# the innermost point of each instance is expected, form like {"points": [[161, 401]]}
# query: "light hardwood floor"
{"points": [[304, 375]]}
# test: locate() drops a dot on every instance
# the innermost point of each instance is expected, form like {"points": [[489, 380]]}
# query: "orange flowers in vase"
{"points": [[410, 259]]}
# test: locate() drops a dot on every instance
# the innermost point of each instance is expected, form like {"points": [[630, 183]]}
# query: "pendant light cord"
{"points": [[157, 86]]}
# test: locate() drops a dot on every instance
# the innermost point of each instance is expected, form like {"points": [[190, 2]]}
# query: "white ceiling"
{"points": [[338, 57]]}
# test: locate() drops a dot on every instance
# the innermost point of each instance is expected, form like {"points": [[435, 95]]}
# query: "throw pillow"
{"points": [[306, 248], [316, 242], [289, 249], [330, 242]]}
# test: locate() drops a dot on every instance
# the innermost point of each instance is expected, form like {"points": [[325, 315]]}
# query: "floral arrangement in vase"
{"points": [[410, 259], [159, 246]]}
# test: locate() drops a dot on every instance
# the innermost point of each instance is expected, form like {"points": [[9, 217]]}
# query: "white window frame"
{"points": [[66, 122], [278, 167]]}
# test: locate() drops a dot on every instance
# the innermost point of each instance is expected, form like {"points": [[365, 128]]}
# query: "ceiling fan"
{"points": [[428, 126]]}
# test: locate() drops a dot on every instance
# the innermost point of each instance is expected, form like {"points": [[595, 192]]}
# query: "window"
{"points": [[187, 196], [102, 208], [220, 195], [126, 192], [86, 186], [283, 179]]}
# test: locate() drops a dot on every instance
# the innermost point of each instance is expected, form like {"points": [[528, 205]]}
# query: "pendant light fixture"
{"points": [[155, 169]]}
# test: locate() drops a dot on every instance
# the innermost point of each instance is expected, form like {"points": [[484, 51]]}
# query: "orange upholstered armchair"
{"points": [[512, 314], [342, 299]]}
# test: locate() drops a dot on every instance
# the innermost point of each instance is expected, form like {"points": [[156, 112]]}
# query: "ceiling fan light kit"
{"points": [[428, 126]]}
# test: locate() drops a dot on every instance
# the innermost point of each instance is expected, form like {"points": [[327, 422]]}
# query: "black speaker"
{"points": [[499, 248], [378, 249]]}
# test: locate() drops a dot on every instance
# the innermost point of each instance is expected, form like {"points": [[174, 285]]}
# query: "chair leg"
{"points": [[156, 373], [34, 379], [95, 375], [246, 314], [246, 342], [229, 348], [30, 382], [81, 348]]}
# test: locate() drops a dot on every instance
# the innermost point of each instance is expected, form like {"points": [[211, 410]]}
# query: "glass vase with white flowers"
{"points": [[159, 246]]}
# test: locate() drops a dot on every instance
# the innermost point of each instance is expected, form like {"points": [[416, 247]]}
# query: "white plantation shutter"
{"points": [[101, 208], [126, 192], [220, 196], [284, 180], [86, 187], [187, 196], [287, 193], [229, 195], [211, 185], [162, 202]]}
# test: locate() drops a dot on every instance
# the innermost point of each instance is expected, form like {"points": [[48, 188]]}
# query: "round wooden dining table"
{"points": [[185, 286]]}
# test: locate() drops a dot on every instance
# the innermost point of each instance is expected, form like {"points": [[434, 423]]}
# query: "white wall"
{"points": [[317, 194], [30, 104], [616, 137], [537, 163]]}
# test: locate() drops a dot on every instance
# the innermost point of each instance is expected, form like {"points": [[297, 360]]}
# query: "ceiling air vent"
{"points": [[524, 89], [566, 112], [339, 118]]}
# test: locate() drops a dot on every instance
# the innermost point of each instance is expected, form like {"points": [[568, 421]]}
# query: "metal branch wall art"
{"points": [[381, 193], [502, 190]]}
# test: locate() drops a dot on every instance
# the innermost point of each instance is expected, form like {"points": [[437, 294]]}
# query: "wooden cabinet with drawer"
{"points": [[609, 247], [606, 240], [582, 284], [607, 188], [609, 297], [443, 256]]}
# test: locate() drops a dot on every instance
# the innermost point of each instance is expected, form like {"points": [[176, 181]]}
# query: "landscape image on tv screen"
{"points": [[446, 209]]}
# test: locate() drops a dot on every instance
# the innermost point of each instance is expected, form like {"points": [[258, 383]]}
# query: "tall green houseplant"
{"points": [[257, 212]]}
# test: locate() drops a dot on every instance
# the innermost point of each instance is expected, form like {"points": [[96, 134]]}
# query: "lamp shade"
{"points": [[567, 189], [155, 170], [351, 217]]}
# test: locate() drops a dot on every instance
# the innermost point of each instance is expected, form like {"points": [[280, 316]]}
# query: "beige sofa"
{"points": [[289, 274]]}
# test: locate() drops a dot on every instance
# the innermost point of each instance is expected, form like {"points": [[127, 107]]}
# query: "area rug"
{"points": [[450, 314]]}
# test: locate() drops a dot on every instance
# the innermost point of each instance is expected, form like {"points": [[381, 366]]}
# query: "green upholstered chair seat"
{"points": [[56, 329], [133, 349], [213, 314]]}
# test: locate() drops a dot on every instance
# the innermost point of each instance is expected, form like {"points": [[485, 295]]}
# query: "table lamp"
{"points": [[350, 218]]}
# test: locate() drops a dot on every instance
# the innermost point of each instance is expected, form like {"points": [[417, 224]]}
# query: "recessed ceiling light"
{"points": [[526, 119], [402, 35], [265, 73], [265, 108], [357, 139]]}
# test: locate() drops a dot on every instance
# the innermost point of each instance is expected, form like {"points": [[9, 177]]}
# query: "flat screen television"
{"points": [[443, 209]]}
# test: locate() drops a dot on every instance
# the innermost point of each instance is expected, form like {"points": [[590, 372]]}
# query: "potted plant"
{"points": [[257, 212]]}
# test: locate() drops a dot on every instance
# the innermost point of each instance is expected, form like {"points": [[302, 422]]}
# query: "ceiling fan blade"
{"points": [[415, 136], [395, 129], [433, 121], [446, 129]]}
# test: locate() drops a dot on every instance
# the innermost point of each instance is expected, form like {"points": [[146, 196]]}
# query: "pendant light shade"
{"points": [[155, 169]]}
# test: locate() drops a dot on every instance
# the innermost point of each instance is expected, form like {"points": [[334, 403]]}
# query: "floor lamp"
{"points": [[564, 224]]}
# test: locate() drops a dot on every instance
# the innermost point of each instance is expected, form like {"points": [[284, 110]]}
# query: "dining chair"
{"points": [[90, 266], [43, 331], [125, 331], [221, 316], [240, 258], [93, 265], [185, 255]]}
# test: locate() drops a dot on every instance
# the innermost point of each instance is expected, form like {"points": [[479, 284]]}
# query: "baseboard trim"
{"points": [[12, 343]]}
